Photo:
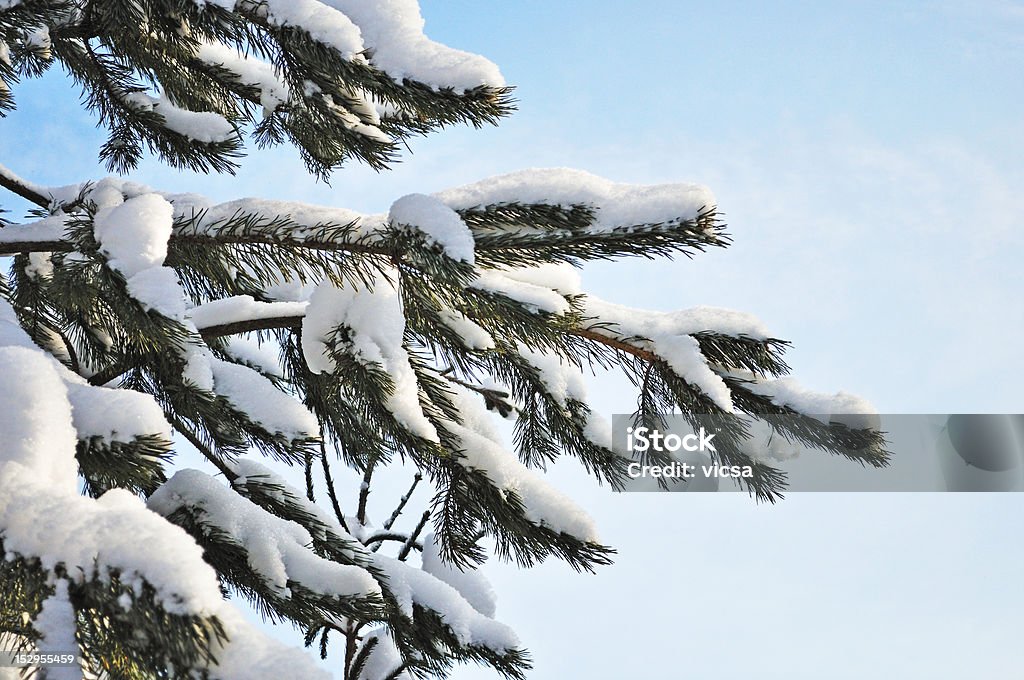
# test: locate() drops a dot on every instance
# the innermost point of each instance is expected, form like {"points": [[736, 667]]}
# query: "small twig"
{"points": [[309, 477], [364, 491], [393, 675], [378, 539], [107, 374], [330, 485], [413, 536], [401, 503], [193, 439]]}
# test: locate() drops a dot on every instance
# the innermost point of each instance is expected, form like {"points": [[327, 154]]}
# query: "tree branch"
{"points": [[194, 440], [11, 182], [16, 247], [615, 343], [411, 541], [364, 492], [331, 493], [249, 325], [401, 503]]}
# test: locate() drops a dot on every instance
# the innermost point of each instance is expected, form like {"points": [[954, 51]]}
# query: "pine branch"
{"points": [[11, 182], [331, 493], [250, 325], [402, 501], [202, 448], [411, 540], [364, 492]]}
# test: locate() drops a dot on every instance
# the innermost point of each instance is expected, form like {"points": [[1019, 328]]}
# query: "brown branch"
{"points": [[331, 493], [16, 247], [107, 374], [193, 439], [29, 194], [413, 536], [283, 322], [364, 492], [236, 327], [270, 240], [615, 343], [402, 501]]}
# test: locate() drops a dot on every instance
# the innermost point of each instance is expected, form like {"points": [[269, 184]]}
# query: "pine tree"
{"points": [[269, 334]]}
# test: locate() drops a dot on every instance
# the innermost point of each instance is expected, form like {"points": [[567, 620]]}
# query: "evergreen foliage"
{"points": [[410, 342]]}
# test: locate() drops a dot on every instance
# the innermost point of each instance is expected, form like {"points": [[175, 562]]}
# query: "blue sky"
{"points": [[867, 157]]}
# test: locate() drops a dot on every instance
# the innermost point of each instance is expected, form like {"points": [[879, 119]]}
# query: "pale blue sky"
{"points": [[867, 157]]}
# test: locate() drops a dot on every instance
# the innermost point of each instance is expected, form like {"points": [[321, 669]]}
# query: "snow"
{"points": [[278, 550], [562, 380], [198, 367], [251, 353], [411, 586], [203, 126], [669, 335], [251, 654], [543, 504], [473, 336], [682, 322], [439, 224], [598, 430], [242, 308], [376, 324], [39, 40], [35, 419], [94, 537], [535, 298], [249, 469], [325, 24], [250, 71], [558, 276], [39, 266], [470, 583], [353, 122], [56, 624], [42, 514], [267, 406], [617, 205], [133, 235], [188, 206], [11, 175], [49, 228], [788, 392], [158, 289], [115, 414], [384, 659], [393, 29]]}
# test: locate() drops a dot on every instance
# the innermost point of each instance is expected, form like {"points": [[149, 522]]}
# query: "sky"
{"points": [[866, 157]]}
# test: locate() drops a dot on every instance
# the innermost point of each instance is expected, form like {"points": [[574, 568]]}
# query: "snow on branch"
{"points": [[277, 549]]}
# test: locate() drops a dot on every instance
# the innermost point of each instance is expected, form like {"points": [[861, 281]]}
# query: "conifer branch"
{"points": [[364, 491], [11, 182], [329, 481], [402, 501], [404, 553], [202, 448]]}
